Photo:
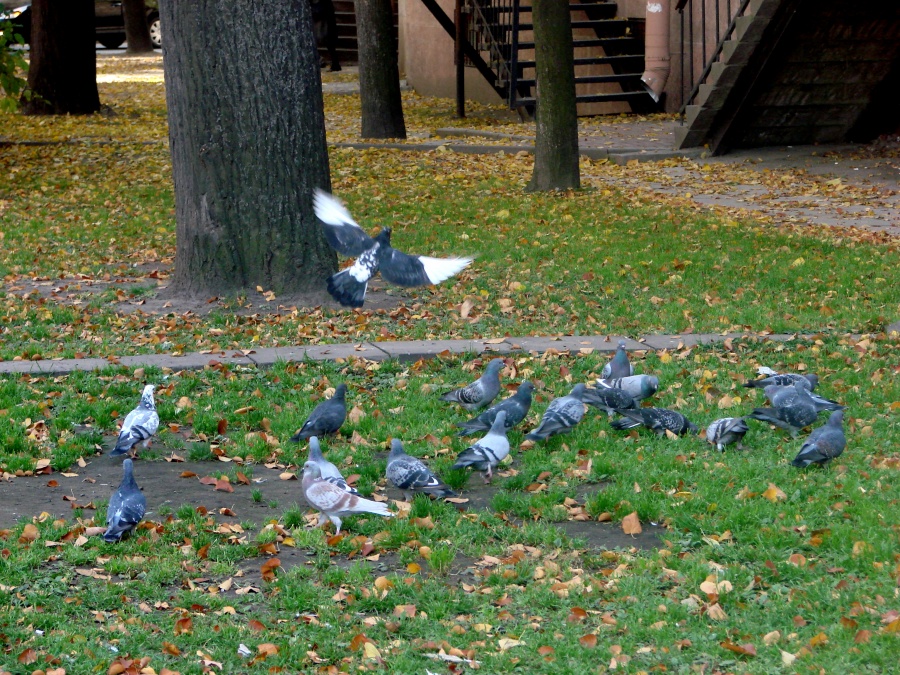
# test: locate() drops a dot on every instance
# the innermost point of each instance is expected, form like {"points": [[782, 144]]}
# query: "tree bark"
{"points": [[247, 136], [63, 72], [556, 143], [137, 32], [379, 74]]}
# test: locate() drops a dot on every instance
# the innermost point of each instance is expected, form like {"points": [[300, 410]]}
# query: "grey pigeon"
{"points": [[785, 380], [782, 397], [659, 420], [326, 418], [561, 415], [482, 391], [609, 399], [126, 507], [726, 431], [411, 475], [619, 366], [346, 237], [516, 407], [793, 417], [824, 443], [328, 470], [139, 425], [332, 502], [639, 386], [488, 452]]}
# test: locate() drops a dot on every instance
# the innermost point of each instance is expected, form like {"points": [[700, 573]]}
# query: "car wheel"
{"points": [[110, 41], [155, 32]]}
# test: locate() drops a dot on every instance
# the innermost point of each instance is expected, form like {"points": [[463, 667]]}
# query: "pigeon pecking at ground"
{"points": [[126, 507], [485, 454], [346, 237], [609, 399], [726, 431], [792, 418], [824, 443], [782, 397], [327, 470], [326, 418], [410, 474], [639, 386], [619, 366], [785, 380], [516, 407], [332, 502], [139, 425], [658, 420], [482, 391], [561, 415]]}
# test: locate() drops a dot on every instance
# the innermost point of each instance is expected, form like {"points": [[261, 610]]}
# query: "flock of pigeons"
{"points": [[619, 392]]}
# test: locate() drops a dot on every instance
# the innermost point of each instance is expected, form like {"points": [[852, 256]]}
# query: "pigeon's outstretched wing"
{"points": [[561, 415], [824, 443], [726, 431], [480, 392], [658, 420], [139, 425], [410, 474], [343, 233], [485, 454], [326, 418], [417, 270], [126, 507]]}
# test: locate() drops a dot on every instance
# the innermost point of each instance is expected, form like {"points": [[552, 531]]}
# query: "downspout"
{"points": [[656, 49]]}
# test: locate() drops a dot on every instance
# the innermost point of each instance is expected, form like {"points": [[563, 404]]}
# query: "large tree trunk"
{"points": [[247, 135], [379, 74], [137, 32], [556, 144], [62, 76]]}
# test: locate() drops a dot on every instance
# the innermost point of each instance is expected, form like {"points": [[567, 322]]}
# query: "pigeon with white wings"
{"points": [[126, 507], [481, 392], [485, 454], [332, 502], [326, 418], [328, 470], [726, 431], [139, 425], [346, 237], [824, 443], [619, 366], [410, 474], [561, 415]]}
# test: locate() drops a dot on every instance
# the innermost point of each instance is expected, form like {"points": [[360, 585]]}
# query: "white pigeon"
{"points": [[126, 507], [140, 424], [327, 470], [332, 502], [485, 454]]}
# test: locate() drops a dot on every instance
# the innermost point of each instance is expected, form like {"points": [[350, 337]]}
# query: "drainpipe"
{"points": [[656, 56]]}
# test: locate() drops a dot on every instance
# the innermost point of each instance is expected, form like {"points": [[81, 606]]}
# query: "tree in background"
{"points": [[12, 68], [379, 73], [137, 32]]}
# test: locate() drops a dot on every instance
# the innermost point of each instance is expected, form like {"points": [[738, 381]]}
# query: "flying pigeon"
{"points": [[346, 237], [609, 399], [619, 366], [824, 443], [126, 507], [327, 470], [516, 407], [639, 386], [561, 415], [659, 420], [481, 392], [411, 475], [782, 397], [792, 418], [332, 502], [139, 425], [726, 431], [326, 418], [485, 454], [785, 380]]}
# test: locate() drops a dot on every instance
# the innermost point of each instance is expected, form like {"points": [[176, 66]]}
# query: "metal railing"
{"points": [[494, 29]]}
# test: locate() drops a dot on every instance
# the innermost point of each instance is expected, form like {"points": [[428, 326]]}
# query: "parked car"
{"points": [[109, 22]]}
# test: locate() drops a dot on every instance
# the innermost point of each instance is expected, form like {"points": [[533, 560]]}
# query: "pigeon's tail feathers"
{"points": [[801, 462], [115, 532], [627, 421], [451, 396], [362, 505], [300, 436], [347, 290], [440, 491], [438, 269], [129, 439], [471, 457], [470, 427]]}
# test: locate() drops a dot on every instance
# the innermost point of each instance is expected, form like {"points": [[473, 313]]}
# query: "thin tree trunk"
{"points": [[137, 32], [247, 133], [379, 74], [63, 72], [556, 144]]}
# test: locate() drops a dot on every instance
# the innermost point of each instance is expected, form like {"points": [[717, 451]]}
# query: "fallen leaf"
{"points": [[631, 524]]}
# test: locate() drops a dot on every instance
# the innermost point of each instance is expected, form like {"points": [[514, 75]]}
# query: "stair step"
{"points": [[592, 79], [633, 62], [618, 44], [603, 27], [595, 98], [598, 9]]}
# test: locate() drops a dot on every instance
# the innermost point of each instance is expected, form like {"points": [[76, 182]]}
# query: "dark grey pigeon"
{"points": [[411, 475], [782, 397], [346, 237], [609, 399], [126, 507], [791, 418], [516, 407], [639, 386], [328, 470], [139, 426], [561, 415], [619, 366], [326, 418], [726, 431], [484, 455], [482, 391], [785, 380], [824, 443], [658, 420]]}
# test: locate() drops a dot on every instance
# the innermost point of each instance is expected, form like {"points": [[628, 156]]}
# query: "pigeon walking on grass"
{"points": [[639, 386], [485, 454], [516, 407], [619, 366], [809, 382], [346, 237], [481, 392], [332, 502], [327, 470], [824, 443], [326, 418], [792, 418], [410, 474], [609, 399], [726, 431], [126, 507], [658, 420], [139, 426], [782, 397], [561, 415]]}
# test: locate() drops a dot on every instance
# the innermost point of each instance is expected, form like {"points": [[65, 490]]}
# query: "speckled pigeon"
{"points": [[619, 366], [609, 399], [332, 502], [346, 237], [785, 380], [726, 431], [327, 470], [782, 397], [410, 474], [139, 426], [326, 418], [657, 419], [639, 386], [561, 415], [485, 454], [516, 407], [791, 418], [824, 443], [126, 507], [482, 391]]}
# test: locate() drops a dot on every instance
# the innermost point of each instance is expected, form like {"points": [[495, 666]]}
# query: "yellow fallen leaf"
{"points": [[773, 493]]}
